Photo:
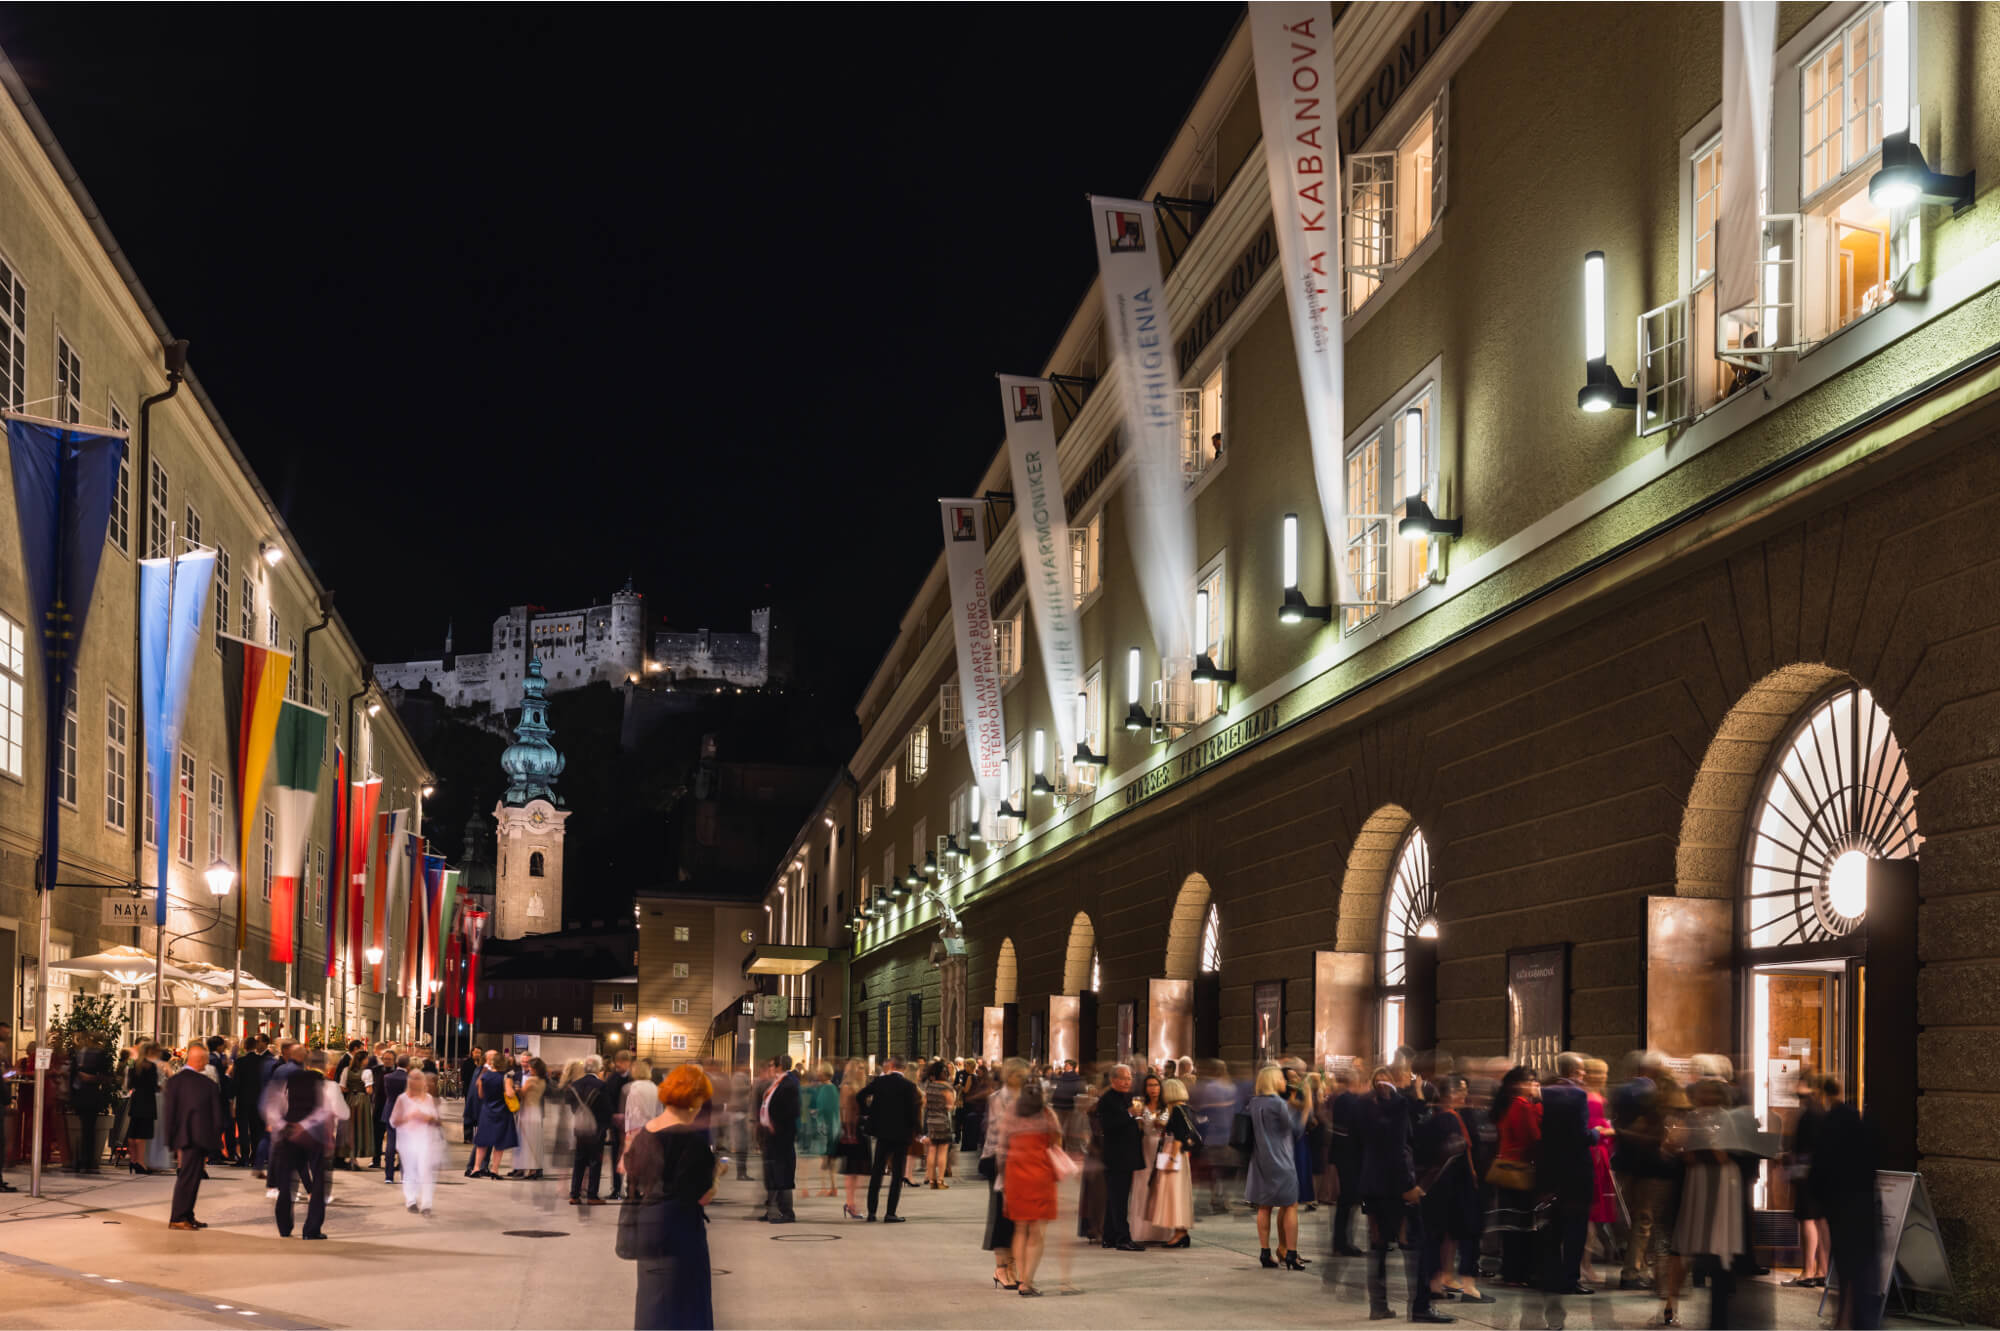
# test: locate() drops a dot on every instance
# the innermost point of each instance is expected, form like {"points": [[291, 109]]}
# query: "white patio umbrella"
{"points": [[260, 998], [128, 965]]}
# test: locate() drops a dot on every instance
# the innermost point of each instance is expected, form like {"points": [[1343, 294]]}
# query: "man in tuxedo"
{"points": [[614, 1138], [191, 1120], [1124, 1150], [891, 1109], [247, 1080], [1564, 1168], [390, 1087], [777, 1127]]}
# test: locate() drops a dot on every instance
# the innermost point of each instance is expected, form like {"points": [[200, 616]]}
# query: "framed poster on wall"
{"points": [[1128, 1019], [1537, 1006], [1268, 1012]]}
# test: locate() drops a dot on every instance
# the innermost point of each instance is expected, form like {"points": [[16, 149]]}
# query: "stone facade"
{"points": [[595, 644]]}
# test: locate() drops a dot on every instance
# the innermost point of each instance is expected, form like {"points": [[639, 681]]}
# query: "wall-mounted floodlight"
{"points": [[1295, 609], [1905, 178], [273, 553], [973, 836], [1602, 389], [1205, 668], [1041, 784], [1006, 809], [1135, 712], [1084, 757]]}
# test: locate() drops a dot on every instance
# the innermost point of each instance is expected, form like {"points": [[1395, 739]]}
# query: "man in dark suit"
{"points": [[1124, 1150], [246, 1078], [1563, 1168], [1842, 1178], [777, 1128], [1385, 1122], [891, 1109], [614, 1138], [301, 1121], [591, 1113], [191, 1120], [89, 1092], [390, 1086]]}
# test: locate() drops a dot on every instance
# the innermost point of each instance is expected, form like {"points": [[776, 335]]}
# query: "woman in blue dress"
{"points": [[496, 1123]]}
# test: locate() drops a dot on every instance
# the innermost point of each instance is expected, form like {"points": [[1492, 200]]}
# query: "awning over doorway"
{"points": [[784, 959]]}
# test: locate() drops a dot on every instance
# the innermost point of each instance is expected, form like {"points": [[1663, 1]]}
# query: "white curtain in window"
{"points": [[1749, 39]]}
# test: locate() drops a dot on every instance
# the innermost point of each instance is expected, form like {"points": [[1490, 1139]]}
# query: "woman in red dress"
{"points": [[54, 1145], [1029, 1138]]}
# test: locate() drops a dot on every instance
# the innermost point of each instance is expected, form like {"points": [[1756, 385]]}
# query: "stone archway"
{"points": [[1184, 930], [1363, 886], [1709, 860], [1006, 975], [1076, 961]]}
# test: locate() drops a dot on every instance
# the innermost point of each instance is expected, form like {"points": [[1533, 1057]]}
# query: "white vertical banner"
{"points": [[1043, 526], [1157, 513], [1749, 41], [1291, 42], [972, 621]]}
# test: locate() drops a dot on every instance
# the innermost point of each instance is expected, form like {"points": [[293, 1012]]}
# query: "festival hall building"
{"points": [[1688, 736]]}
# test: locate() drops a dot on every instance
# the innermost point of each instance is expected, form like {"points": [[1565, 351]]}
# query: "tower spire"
{"points": [[532, 762]]}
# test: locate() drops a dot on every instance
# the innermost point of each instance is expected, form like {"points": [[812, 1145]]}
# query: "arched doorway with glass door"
{"points": [[1409, 948], [1831, 831]]}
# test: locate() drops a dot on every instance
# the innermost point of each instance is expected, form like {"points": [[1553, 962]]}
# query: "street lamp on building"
{"points": [[1041, 784], [272, 552], [1205, 669], [1602, 389], [220, 877], [1294, 609]]}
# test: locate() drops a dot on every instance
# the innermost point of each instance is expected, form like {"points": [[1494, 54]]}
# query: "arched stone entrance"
{"points": [[1073, 1012]]}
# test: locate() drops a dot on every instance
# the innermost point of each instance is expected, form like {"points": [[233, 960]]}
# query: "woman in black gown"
{"points": [[671, 1168]]}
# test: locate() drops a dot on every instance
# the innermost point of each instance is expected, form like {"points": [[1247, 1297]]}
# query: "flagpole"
{"points": [[159, 918], [55, 670]]}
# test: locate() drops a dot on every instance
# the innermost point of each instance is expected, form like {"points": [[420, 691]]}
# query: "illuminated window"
{"points": [[951, 715], [1211, 613], [214, 815], [680, 933], [116, 751], [1411, 907], [867, 814], [221, 593], [677, 1043], [1394, 198], [1086, 556], [679, 1008], [184, 811], [13, 695], [66, 752], [1202, 442], [13, 339], [156, 511], [1843, 244], [1838, 796], [886, 788], [120, 530], [1211, 942], [1007, 649], [1392, 462], [919, 752], [270, 850]]}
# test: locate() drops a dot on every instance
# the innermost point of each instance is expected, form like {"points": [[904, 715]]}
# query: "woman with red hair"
{"points": [[671, 1169]]}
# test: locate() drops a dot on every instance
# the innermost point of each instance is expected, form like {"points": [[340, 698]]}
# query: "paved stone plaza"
{"points": [[97, 1254]]}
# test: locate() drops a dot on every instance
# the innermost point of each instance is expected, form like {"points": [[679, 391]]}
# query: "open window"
{"points": [[1393, 460], [1086, 556], [1202, 442], [1007, 649], [951, 713], [1394, 199]]}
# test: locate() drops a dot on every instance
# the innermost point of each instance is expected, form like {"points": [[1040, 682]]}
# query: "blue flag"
{"points": [[167, 642], [64, 482]]}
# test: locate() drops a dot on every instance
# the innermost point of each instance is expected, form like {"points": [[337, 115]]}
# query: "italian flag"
{"points": [[295, 769]]}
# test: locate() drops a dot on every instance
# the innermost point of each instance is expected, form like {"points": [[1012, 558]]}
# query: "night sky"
{"points": [[505, 303]]}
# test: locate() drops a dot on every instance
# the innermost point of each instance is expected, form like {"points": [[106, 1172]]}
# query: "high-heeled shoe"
{"points": [[141, 1169], [998, 1283], [849, 1212], [1184, 1241], [1265, 1260], [1294, 1262]]}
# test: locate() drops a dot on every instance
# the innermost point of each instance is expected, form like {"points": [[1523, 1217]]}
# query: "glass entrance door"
{"points": [[1801, 1023]]}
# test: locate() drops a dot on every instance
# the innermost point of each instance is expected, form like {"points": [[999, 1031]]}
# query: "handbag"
{"points": [[627, 1244], [1516, 1174], [1064, 1165], [1241, 1137], [513, 1100], [1166, 1162]]}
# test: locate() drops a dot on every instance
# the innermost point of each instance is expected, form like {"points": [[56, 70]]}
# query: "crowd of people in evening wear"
{"points": [[1481, 1182]]}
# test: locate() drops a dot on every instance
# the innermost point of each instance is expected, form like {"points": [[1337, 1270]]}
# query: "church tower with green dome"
{"points": [[527, 892]]}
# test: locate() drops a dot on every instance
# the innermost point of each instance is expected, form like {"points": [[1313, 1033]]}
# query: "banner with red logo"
{"points": [[978, 664], [1047, 560]]}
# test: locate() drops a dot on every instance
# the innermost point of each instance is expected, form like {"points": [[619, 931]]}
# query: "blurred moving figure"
{"points": [[414, 1117], [672, 1171]]}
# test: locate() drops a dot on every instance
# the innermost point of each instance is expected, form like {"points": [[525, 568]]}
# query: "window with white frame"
{"points": [[184, 811], [270, 850], [861, 893], [292, 679], [679, 1007], [959, 816], [678, 1043], [319, 883], [681, 933], [618, 1002], [248, 610], [1392, 461], [214, 815], [1007, 649], [117, 722], [1202, 443], [120, 529], [190, 527], [1211, 941], [680, 970], [867, 814], [58, 980], [918, 759], [1209, 617], [69, 382], [885, 788], [951, 712], [13, 694], [1395, 195], [1091, 732], [66, 752], [221, 594], [156, 510], [13, 337], [271, 627], [1086, 556], [1845, 268], [148, 824]]}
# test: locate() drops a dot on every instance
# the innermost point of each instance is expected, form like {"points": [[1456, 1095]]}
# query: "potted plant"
{"points": [[88, 1020]]}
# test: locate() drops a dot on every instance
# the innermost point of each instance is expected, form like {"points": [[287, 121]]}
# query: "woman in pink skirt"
{"points": [[1604, 1206], [1171, 1203]]}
